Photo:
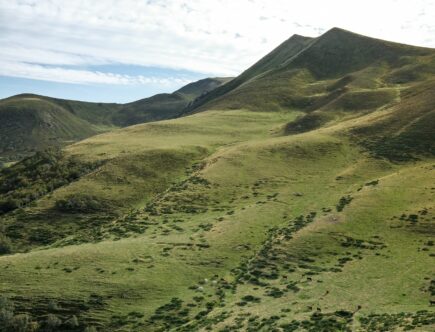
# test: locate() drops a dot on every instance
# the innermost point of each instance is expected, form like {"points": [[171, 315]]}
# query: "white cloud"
{"points": [[220, 37], [64, 75]]}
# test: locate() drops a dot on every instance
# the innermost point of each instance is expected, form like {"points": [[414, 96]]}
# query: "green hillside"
{"points": [[308, 73], [287, 50], [30, 123], [300, 199]]}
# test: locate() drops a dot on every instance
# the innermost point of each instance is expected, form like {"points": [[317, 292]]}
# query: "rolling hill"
{"points": [[30, 123], [296, 197]]}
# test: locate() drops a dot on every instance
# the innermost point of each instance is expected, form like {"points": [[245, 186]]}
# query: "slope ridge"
{"points": [[272, 60]]}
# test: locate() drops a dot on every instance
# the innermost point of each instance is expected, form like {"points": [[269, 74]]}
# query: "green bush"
{"points": [[73, 322], [345, 200], [90, 329], [5, 245], [21, 323], [6, 313], [53, 322]]}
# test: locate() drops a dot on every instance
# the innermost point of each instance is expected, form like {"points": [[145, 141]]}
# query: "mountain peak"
{"points": [[339, 52], [297, 37], [339, 30], [344, 35]]}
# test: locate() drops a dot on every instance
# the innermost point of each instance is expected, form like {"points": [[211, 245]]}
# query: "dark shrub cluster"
{"points": [[38, 175], [406, 321], [81, 203], [171, 314], [345, 200], [5, 245], [337, 321]]}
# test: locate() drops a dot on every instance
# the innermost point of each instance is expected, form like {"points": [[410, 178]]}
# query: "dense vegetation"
{"points": [[36, 176]]}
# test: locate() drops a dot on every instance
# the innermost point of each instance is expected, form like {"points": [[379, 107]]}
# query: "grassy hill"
{"points": [[307, 73], [30, 123], [308, 208]]}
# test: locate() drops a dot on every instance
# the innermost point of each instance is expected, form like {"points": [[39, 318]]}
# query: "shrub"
{"points": [[413, 218], [52, 305], [6, 313], [5, 245], [8, 205], [345, 200], [73, 321], [275, 292], [53, 322], [250, 298], [90, 329], [21, 323]]}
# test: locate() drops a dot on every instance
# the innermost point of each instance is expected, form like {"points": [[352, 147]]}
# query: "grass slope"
{"points": [[234, 220]]}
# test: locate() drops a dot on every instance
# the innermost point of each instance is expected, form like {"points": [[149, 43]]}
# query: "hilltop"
{"points": [[30, 123], [296, 197]]}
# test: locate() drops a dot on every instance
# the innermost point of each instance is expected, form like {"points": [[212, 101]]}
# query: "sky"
{"points": [[120, 51]]}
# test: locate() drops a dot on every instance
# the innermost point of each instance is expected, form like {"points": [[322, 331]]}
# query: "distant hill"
{"points": [[31, 122], [164, 106]]}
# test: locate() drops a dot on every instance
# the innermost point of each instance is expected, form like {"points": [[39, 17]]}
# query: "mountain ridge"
{"points": [[336, 51]]}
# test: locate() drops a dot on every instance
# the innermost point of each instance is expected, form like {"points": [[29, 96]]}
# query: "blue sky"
{"points": [[160, 80], [120, 51]]}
